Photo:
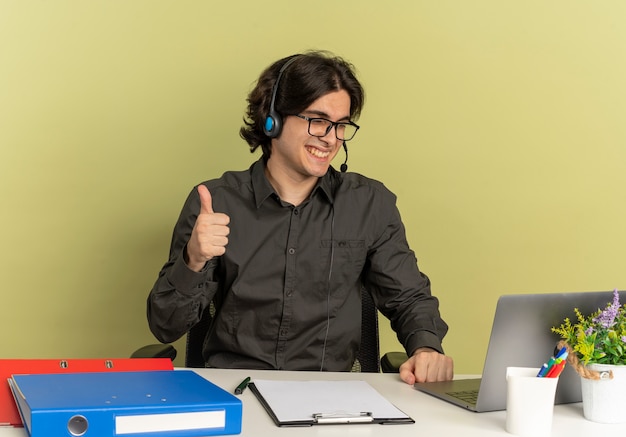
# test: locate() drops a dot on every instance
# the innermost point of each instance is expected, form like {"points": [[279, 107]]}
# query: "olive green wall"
{"points": [[499, 124]]}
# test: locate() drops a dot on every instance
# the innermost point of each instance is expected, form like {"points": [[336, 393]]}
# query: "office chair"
{"points": [[367, 360]]}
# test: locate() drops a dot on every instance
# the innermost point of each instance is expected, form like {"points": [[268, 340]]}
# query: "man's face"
{"points": [[304, 156]]}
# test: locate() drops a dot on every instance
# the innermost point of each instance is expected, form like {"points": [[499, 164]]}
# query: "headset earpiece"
{"points": [[274, 122]]}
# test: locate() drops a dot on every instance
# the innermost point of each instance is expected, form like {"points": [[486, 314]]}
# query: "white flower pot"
{"points": [[604, 400]]}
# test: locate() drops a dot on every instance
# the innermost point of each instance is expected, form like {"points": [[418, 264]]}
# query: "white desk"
{"points": [[432, 416]]}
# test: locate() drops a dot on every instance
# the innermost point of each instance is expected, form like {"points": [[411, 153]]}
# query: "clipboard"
{"points": [[308, 403]]}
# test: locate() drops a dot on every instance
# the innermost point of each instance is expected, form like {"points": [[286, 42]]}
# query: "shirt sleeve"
{"points": [[401, 291], [180, 295]]}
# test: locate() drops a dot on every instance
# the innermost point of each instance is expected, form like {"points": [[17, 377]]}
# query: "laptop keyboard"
{"points": [[469, 396]]}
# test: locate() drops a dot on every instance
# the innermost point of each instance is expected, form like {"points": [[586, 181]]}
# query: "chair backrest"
{"points": [[369, 353], [195, 339], [368, 357]]}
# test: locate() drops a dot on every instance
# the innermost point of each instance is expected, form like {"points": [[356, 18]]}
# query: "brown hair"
{"points": [[308, 77]]}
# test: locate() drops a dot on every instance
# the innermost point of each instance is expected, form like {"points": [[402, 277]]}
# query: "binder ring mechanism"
{"points": [[343, 417]]}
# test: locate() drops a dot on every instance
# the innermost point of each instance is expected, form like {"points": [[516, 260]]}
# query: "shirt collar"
{"points": [[263, 189]]}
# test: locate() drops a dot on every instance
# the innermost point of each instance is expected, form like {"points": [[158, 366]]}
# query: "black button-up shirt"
{"points": [[287, 290]]}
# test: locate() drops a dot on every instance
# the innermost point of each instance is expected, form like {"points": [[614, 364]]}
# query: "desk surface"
{"points": [[432, 416]]}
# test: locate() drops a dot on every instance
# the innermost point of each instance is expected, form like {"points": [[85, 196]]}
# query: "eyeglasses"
{"points": [[320, 127]]}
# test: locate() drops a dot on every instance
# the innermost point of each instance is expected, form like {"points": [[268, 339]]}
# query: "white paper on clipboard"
{"points": [[301, 402]]}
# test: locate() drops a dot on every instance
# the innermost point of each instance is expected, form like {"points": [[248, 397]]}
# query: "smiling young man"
{"points": [[283, 249]]}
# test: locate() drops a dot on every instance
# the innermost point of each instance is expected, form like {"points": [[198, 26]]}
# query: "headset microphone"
{"points": [[344, 166]]}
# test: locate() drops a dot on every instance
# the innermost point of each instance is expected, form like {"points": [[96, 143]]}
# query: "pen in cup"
{"points": [[543, 370], [241, 387], [554, 367], [555, 370]]}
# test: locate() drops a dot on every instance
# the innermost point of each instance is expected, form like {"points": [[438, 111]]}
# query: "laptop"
{"points": [[521, 336]]}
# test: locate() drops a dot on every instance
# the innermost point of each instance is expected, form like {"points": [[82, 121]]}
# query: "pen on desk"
{"points": [[241, 387]]}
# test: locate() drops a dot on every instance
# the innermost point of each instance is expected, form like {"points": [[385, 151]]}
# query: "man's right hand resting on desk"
{"points": [[427, 365]]}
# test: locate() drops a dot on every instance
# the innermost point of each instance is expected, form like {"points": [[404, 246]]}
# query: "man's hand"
{"points": [[210, 233], [427, 365]]}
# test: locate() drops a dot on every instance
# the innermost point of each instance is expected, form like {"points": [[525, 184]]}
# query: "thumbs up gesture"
{"points": [[209, 236]]}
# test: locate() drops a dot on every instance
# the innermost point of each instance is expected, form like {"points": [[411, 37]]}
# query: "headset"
{"points": [[274, 122]]}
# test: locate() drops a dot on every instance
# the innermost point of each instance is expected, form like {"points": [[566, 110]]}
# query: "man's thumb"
{"points": [[206, 203]]}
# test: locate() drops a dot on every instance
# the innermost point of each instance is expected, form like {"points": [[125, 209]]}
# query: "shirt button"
{"points": [[292, 251], [296, 212]]}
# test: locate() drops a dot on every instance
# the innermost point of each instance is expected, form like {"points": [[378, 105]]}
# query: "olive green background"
{"points": [[499, 125]]}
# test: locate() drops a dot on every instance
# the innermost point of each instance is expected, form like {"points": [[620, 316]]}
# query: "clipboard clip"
{"points": [[343, 417]]}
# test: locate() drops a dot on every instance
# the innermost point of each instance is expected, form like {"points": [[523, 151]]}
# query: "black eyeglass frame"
{"points": [[333, 124]]}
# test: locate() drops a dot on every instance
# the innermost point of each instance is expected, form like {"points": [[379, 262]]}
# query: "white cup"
{"points": [[529, 402]]}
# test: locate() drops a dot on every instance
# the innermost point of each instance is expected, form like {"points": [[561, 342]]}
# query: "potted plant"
{"points": [[597, 351]]}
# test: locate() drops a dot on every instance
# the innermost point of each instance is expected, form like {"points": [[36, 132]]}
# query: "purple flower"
{"points": [[606, 318]]}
